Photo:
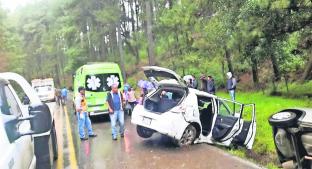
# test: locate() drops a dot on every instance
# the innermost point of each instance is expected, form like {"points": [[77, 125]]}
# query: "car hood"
{"points": [[155, 74]]}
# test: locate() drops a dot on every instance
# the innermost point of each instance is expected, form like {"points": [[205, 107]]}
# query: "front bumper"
{"points": [[47, 99], [168, 123], [98, 113], [96, 110]]}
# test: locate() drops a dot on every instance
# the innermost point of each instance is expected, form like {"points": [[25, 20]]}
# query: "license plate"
{"points": [[147, 121], [96, 108]]}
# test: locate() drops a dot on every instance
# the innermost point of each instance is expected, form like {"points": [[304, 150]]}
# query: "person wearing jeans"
{"points": [[115, 108], [82, 115], [231, 85]]}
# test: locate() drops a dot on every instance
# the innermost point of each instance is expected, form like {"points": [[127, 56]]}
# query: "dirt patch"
{"points": [[262, 158]]}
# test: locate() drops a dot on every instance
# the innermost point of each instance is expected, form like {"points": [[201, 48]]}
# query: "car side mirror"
{"points": [[40, 122], [11, 127], [41, 119]]}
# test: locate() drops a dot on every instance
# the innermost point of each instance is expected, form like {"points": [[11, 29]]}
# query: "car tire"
{"points": [[188, 136], [54, 142], [283, 119], [144, 132]]}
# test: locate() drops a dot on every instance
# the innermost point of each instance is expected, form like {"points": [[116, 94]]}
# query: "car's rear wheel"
{"points": [[144, 132], [283, 119], [188, 136]]}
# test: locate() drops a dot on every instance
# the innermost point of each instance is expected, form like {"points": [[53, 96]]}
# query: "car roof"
{"points": [[96, 65], [4, 81], [202, 93]]}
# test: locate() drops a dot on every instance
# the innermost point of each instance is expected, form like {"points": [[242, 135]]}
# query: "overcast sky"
{"points": [[13, 4]]}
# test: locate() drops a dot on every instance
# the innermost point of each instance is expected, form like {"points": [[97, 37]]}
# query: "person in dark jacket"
{"points": [[115, 108], [211, 85], [231, 85], [203, 86]]}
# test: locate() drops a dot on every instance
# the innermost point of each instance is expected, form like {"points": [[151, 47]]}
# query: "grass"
{"points": [[263, 147], [297, 90]]}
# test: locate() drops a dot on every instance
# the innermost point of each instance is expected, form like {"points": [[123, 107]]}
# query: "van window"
{"points": [[102, 82]]}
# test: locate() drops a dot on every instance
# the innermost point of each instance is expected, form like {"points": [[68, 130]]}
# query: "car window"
{"points": [[9, 104], [228, 108], [20, 92]]}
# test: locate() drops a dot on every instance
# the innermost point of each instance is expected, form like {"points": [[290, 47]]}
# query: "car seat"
{"points": [[206, 119]]}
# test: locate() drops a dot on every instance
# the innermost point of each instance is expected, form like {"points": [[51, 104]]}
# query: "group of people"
{"points": [[61, 95], [208, 83], [117, 102]]}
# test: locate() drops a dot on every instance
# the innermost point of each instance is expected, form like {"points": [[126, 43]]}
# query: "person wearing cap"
{"points": [[231, 85], [115, 108], [82, 115]]}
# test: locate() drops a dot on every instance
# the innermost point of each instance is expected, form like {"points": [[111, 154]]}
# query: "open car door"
{"points": [[235, 124]]}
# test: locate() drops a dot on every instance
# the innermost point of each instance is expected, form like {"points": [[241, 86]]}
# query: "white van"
{"points": [[26, 131], [45, 89]]}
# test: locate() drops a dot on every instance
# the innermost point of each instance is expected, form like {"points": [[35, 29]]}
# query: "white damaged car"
{"points": [[192, 116]]}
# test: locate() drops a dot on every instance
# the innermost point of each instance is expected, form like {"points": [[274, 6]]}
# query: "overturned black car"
{"points": [[292, 132]]}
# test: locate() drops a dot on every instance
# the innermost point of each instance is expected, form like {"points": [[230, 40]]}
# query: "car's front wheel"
{"points": [[283, 119], [144, 132], [188, 136]]}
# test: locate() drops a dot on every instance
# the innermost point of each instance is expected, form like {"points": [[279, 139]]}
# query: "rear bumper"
{"points": [[170, 124]]}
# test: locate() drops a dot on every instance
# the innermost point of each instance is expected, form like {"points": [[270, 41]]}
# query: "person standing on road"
{"points": [[211, 85], [132, 99], [115, 108], [82, 115], [64, 95], [231, 85]]}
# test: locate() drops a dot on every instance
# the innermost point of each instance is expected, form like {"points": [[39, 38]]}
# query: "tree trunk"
{"points": [[308, 69], [170, 3], [132, 3], [149, 31], [254, 69], [121, 53], [113, 41], [228, 60], [277, 75], [137, 14]]}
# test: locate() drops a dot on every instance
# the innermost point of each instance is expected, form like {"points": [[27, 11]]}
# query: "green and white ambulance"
{"points": [[97, 78]]}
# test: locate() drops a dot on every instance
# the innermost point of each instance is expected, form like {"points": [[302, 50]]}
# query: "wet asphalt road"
{"points": [[132, 152]]}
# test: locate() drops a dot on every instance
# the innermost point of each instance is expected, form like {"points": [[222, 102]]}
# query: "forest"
{"points": [[267, 44], [264, 41]]}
